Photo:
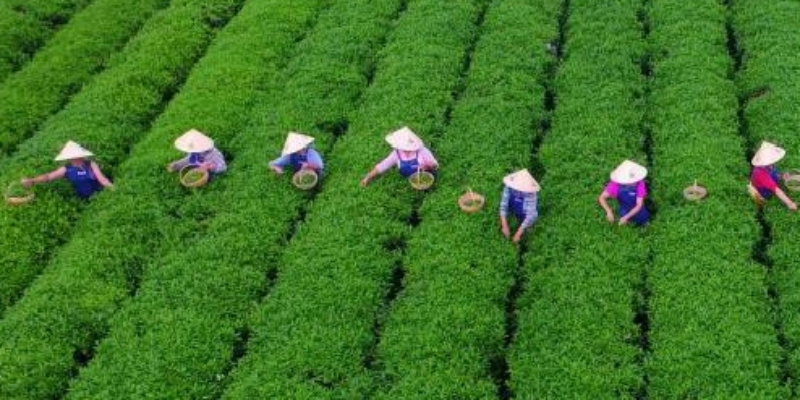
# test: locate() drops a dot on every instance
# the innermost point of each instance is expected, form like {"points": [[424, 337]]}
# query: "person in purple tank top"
{"points": [[409, 156], [627, 186], [520, 197], [84, 175]]}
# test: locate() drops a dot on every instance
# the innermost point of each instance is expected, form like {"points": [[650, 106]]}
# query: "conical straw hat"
{"points": [[522, 181], [296, 142], [404, 139], [628, 172], [72, 151], [194, 141], [767, 154]]}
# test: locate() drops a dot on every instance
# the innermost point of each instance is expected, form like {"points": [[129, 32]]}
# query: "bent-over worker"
{"points": [[520, 197], [201, 153], [84, 174], [764, 177], [298, 153], [628, 187], [409, 155]]}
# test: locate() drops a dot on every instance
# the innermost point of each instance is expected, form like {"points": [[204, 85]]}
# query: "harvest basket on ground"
{"points": [[695, 192], [471, 202], [792, 180], [192, 177], [421, 180], [16, 194], [305, 179]]}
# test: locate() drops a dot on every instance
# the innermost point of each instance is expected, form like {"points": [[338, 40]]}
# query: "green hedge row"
{"points": [[446, 332], [217, 280], [769, 37], [107, 117], [576, 334], [711, 332], [48, 333], [25, 25], [313, 334], [70, 59]]}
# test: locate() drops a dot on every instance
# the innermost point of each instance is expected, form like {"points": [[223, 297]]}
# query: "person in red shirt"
{"points": [[764, 177]]}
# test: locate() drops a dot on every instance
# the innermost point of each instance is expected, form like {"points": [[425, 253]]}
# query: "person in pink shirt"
{"points": [[627, 186], [764, 177], [409, 156]]}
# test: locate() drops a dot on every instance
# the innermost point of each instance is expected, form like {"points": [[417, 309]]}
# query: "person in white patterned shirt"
{"points": [[201, 153]]}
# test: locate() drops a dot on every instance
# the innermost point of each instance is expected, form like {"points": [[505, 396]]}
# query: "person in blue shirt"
{"points": [[84, 175], [298, 154], [201, 153], [520, 197]]}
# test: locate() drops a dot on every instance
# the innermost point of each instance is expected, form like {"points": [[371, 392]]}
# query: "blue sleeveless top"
{"points": [[83, 180], [627, 200], [296, 160], [408, 167], [516, 203]]}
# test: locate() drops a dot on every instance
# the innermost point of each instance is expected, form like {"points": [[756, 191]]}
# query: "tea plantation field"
{"points": [[249, 288]]}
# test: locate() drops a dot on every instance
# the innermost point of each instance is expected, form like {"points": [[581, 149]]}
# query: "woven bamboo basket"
{"points": [[471, 202], [421, 180], [17, 194], [192, 177], [695, 192], [305, 179], [792, 180]]}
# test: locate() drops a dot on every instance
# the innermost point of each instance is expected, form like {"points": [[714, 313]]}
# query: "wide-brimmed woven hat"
{"points": [[404, 139], [767, 154], [628, 172], [72, 151], [296, 142], [194, 141], [522, 181]]}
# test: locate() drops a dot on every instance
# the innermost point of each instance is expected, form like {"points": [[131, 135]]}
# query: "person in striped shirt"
{"points": [[520, 197], [201, 153]]}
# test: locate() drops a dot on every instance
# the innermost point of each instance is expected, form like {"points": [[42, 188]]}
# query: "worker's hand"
{"points": [[26, 182], [278, 170], [623, 221], [504, 228], [610, 217], [365, 181], [792, 206], [518, 236]]}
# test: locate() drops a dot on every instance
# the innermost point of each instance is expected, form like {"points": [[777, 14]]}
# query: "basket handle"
{"points": [[7, 192], [184, 170], [471, 193]]}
